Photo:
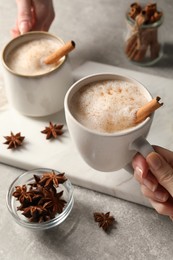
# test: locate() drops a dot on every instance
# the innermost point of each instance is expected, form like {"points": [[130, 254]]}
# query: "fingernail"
{"points": [[138, 171], [24, 27], [150, 185], [154, 161], [161, 196]]}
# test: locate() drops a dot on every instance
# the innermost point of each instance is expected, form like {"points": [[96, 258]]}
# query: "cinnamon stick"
{"points": [[147, 109], [57, 55]]}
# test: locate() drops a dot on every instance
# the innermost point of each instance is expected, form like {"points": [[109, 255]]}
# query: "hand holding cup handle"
{"points": [[156, 183], [155, 176]]}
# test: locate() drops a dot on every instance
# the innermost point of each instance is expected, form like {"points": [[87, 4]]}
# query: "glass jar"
{"points": [[26, 179], [143, 44]]}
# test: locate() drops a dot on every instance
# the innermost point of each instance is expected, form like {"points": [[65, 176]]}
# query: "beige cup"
{"points": [[36, 95], [107, 151]]}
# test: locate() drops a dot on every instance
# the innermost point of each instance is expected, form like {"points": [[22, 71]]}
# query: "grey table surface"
{"points": [[98, 29]]}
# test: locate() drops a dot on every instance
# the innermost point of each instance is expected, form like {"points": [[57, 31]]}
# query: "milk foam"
{"points": [[107, 106], [27, 58]]}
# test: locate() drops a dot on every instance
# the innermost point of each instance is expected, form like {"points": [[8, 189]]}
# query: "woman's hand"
{"points": [[33, 15], [155, 175]]}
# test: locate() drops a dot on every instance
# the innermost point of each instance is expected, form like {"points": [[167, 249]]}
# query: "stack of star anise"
{"points": [[40, 201]]}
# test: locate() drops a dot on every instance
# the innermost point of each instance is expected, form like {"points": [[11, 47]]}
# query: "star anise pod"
{"points": [[53, 202], [53, 130], [105, 220], [36, 214], [51, 179], [40, 201], [24, 196], [36, 182], [14, 140]]}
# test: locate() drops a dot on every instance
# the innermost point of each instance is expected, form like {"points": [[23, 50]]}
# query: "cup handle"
{"points": [[142, 146]]}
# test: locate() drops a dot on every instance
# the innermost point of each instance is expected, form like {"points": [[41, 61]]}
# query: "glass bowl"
{"points": [[27, 178]]}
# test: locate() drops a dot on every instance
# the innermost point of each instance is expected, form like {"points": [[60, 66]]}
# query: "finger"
{"points": [[160, 195], [165, 208], [150, 181], [44, 14], [162, 170], [41, 26], [24, 16], [140, 162], [47, 25], [15, 32], [167, 154]]}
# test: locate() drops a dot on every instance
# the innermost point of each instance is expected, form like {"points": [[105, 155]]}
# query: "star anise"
{"points": [[105, 220], [37, 179], [36, 214], [40, 200], [53, 130], [14, 140], [24, 196], [50, 179], [53, 202]]}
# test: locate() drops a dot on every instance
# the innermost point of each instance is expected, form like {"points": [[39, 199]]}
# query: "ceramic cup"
{"points": [[36, 95], [107, 151]]}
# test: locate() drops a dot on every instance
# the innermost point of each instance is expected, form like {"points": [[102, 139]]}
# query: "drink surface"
{"points": [[107, 106], [27, 58]]}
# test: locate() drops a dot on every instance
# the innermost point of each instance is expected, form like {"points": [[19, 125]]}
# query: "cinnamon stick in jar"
{"points": [[147, 109], [57, 55]]}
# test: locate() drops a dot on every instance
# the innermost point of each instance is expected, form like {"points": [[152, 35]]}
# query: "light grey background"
{"points": [[98, 29]]}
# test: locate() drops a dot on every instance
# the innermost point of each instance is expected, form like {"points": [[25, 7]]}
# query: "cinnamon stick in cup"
{"points": [[64, 50], [147, 109]]}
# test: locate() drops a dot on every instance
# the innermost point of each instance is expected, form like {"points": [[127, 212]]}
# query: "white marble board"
{"points": [[61, 154]]}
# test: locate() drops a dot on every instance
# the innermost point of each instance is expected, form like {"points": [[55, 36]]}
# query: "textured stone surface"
{"points": [[140, 232], [97, 27]]}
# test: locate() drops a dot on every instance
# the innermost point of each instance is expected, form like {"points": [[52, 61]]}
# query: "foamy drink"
{"points": [[107, 106], [27, 58]]}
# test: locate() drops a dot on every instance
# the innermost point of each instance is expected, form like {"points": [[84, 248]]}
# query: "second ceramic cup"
{"points": [[37, 93]]}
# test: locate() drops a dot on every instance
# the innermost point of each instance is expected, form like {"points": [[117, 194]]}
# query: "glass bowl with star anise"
{"points": [[40, 199]]}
